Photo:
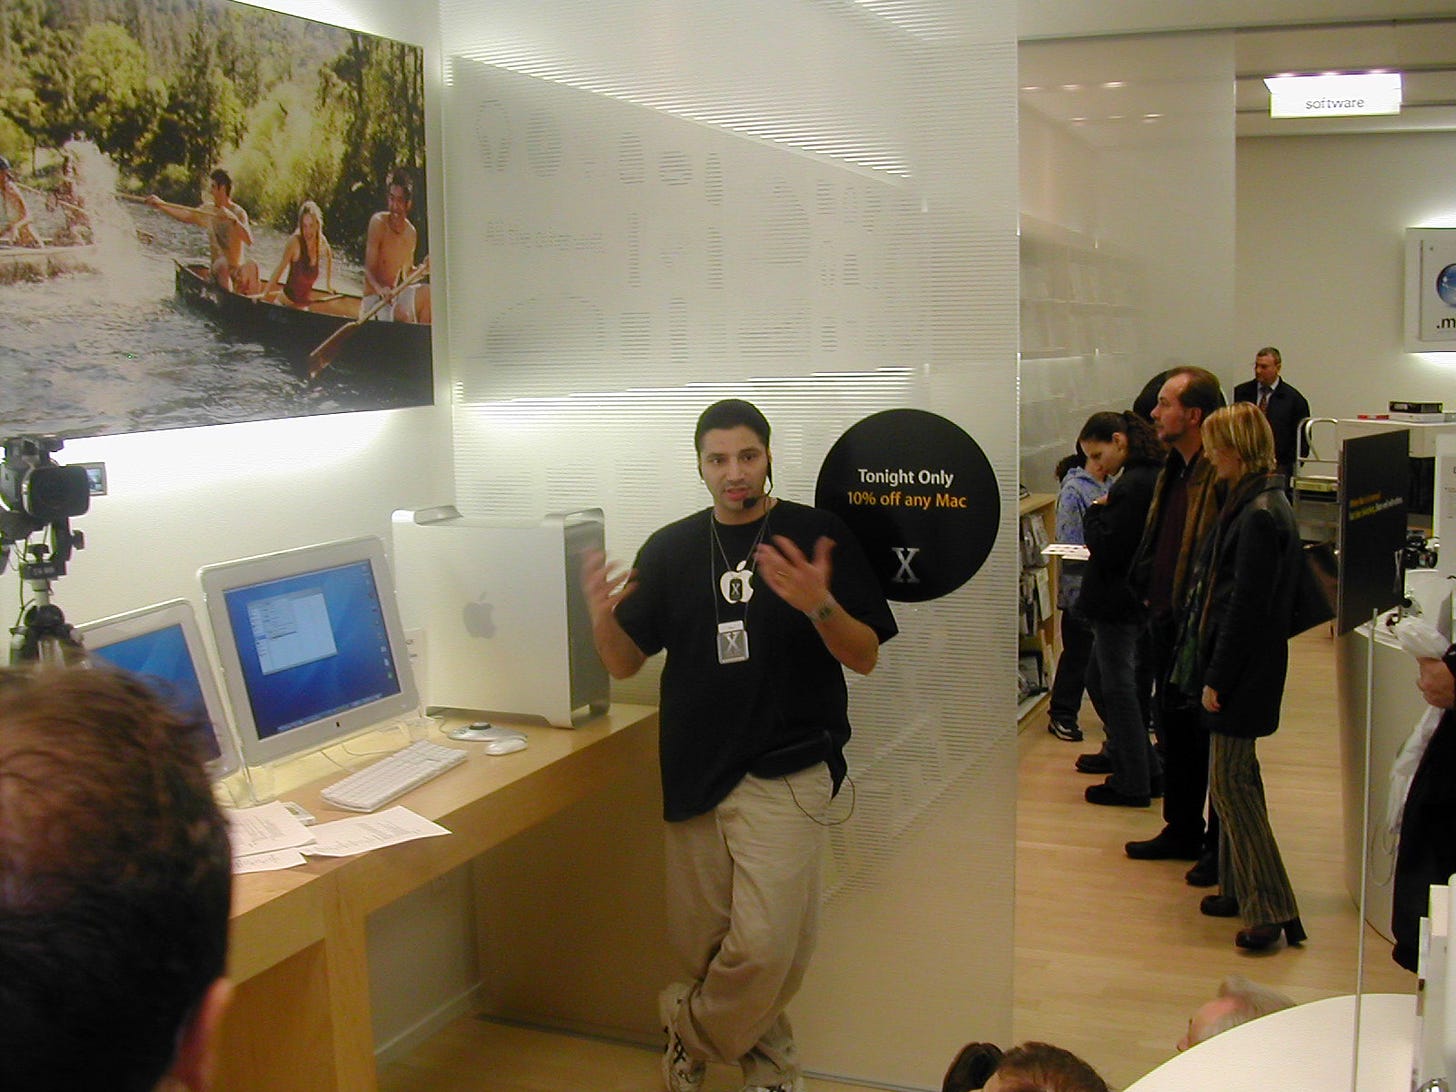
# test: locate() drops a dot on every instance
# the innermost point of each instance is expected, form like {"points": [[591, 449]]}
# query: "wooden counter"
{"points": [[301, 1016]]}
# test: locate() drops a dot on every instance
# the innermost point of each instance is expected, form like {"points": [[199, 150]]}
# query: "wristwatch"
{"points": [[822, 611]]}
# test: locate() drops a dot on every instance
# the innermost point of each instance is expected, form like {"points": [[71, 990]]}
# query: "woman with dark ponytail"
{"points": [[1125, 446]]}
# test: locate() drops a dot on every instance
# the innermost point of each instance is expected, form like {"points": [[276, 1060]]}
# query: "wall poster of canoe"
{"points": [[211, 213]]}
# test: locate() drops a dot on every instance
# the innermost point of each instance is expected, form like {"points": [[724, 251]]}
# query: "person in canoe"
{"points": [[228, 235], [17, 231], [389, 256], [305, 255], [68, 198]]}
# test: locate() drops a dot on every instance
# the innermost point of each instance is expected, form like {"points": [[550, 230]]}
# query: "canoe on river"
{"points": [[31, 264], [384, 346]]}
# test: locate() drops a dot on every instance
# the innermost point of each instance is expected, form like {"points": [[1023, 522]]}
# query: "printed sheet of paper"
{"points": [[264, 829], [346, 837], [268, 862]]}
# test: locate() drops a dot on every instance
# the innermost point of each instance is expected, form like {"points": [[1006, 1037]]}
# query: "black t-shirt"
{"points": [[719, 719]]}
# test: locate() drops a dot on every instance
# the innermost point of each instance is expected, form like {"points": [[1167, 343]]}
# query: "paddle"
{"points": [[49, 195], [140, 200], [329, 348]]}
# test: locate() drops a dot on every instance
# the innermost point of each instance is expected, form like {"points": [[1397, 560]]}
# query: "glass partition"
{"points": [[1128, 267], [811, 205]]}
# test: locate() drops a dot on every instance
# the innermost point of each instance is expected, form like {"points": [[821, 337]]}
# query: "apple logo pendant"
{"points": [[737, 584]]}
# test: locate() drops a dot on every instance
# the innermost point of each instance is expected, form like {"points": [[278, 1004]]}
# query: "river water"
{"points": [[114, 350]]}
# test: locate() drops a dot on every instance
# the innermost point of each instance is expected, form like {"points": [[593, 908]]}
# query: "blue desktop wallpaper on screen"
{"points": [[162, 657], [358, 670]]}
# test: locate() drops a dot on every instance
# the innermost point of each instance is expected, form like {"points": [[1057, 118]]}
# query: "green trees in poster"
{"points": [[169, 89], [115, 96]]}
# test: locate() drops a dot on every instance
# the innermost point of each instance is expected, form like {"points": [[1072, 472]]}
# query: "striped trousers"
{"points": [[1249, 866]]}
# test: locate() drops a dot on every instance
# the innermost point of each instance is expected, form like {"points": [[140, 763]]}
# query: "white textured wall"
{"points": [[1321, 264], [1127, 176]]}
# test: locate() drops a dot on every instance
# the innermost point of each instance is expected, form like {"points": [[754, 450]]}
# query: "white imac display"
{"points": [[310, 645], [163, 645]]}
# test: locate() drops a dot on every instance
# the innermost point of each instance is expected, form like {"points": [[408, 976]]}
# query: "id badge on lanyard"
{"points": [[732, 642]]}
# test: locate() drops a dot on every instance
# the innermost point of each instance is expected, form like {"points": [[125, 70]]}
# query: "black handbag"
{"points": [[1314, 590]]}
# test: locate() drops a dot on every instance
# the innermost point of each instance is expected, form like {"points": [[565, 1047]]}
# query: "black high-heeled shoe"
{"points": [[1258, 937]]}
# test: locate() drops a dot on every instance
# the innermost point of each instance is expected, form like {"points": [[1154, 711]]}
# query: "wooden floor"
{"points": [[1111, 954]]}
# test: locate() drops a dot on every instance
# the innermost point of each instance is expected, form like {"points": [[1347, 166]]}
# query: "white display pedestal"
{"points": [[1398, 706], [1307, 1048]]}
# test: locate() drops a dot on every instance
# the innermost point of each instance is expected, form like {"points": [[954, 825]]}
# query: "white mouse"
{"points": [[484, 732], [505, 745]]}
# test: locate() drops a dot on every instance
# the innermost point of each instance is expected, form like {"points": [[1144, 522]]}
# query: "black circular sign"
{"points": [[921, 497]]}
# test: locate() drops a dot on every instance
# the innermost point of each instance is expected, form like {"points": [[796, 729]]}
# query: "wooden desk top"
{"points": [[482, 802]]}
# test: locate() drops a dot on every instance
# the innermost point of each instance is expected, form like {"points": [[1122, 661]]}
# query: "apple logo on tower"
{"points": [[480, 617]]}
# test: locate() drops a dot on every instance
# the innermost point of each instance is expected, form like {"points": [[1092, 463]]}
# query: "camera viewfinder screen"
{"points": [[162, 658], [312, 646]]}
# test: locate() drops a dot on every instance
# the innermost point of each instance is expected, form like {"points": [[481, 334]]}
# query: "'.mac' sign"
{"points": [[919, 494]]}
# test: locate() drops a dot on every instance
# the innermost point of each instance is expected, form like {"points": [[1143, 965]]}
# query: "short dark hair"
{"points": [[730, 413], [401, 178], [1147, 398], [115, 880], [1077, 459], [1041, 1067], [1269, 350], [222, 178], [1202, 390]]}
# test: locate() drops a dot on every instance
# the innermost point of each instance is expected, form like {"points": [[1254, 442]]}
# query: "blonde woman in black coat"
{"points": [[1250, 580]]}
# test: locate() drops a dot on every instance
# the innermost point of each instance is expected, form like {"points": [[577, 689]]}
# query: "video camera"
{"points": [[39, 494], [35, 488]]}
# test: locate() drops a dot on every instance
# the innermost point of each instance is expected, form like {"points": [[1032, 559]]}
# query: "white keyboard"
{"points": [[392, 776]]}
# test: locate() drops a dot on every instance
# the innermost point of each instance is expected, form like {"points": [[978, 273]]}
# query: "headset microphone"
{"points": [[749, 502]]}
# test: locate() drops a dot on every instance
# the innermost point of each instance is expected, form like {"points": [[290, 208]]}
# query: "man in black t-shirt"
{"points": [[759, 604]]}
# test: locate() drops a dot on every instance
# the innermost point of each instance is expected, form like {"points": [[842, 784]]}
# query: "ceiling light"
{"points": [[1334, 95]]}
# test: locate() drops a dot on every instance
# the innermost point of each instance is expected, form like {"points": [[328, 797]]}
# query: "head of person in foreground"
{"points": [[1041, 1067], [115, 888]]}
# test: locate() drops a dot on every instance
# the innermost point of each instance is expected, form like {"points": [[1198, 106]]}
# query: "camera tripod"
{"points": [[43, 635]]}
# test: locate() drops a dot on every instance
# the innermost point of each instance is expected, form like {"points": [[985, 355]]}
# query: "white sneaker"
{"points": [[796, 1085], [681, 1072]]}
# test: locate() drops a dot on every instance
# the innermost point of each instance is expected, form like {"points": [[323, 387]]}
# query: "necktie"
{"points": [[1264, 399]]}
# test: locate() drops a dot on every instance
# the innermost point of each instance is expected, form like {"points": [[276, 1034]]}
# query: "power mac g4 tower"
{"points": [[506, 625]]}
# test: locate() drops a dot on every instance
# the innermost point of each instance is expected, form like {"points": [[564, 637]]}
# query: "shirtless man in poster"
{"points": [[228, 235], [389, 254]]}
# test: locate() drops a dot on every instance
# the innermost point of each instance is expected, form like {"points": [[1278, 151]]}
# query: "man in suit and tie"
{"points": [[1282, 404]]}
